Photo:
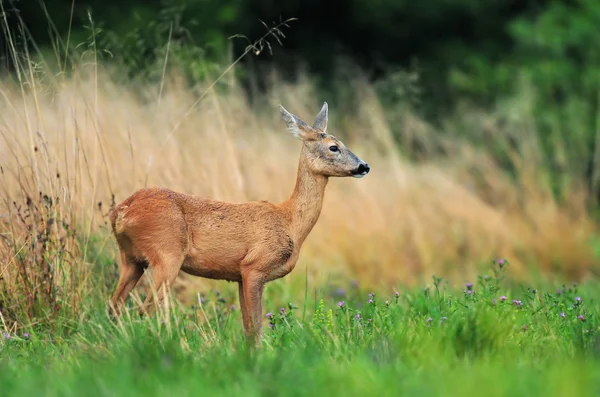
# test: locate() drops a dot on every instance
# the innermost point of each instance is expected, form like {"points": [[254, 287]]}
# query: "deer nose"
{"points": [[363, 168]]}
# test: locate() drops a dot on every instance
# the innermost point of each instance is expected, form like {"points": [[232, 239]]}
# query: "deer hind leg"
{"points": [[130, 273], [253, 285], [164, 271]]}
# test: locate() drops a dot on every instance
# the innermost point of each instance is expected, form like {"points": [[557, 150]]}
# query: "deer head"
{"points": [[324, 153]]}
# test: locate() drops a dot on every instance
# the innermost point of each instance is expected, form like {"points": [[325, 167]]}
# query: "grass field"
{"points": [[484, 337], [73, 144]]}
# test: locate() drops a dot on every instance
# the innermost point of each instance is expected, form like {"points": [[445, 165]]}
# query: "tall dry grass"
{"points": [[85, 139]]}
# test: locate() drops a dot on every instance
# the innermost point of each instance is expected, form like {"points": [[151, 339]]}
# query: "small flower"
{"points": [[517, 303], [500, 262], [397, 294], [371, 295], [429, 320], [578, 299], [503, 298], [341, 304], [387, 303], [6, 336], [232, 308], [469, 286], [357, 316], [558, 292], [562, 314], [371, 301], [370, 320], [271, 325], [282, 310], [269, 315], [524, 327], [581, 317], [469, 292], [26, 335], [290, 306], [486, 277]]}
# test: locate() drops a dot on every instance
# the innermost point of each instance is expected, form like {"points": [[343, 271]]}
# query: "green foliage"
{"points": [[191, 35], [556, 60]]}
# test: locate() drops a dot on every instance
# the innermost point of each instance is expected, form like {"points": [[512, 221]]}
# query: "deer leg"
{"points": [[164, 271], [130, 274], [253, 286], [243, 308]]}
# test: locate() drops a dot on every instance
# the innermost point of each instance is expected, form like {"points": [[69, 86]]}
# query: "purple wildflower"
{"points": [[500, 262], [341, 304], [271, 325], [469, 292], [357, 316], [558, 292], [397, 294], [562, 314], [282, 310], [371, 301], [469, 286], [269, 315], [503, 298], [371, 295], [581, 317], [517, 303], [26, 335], [578, 299]]}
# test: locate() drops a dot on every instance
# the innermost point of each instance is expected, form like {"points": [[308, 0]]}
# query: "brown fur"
{"points": [[250, 243]]}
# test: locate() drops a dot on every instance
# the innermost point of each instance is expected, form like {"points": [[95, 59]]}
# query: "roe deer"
{"points": [[250, 243]]}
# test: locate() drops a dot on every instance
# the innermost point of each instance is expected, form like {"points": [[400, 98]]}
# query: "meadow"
{"points": [[438, 276]]}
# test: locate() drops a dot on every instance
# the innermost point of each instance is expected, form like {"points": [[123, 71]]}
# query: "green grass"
{"points": [[437, 341]]}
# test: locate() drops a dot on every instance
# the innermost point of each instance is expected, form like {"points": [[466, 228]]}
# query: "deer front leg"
{"points": [[243, 308], [253, 285]]}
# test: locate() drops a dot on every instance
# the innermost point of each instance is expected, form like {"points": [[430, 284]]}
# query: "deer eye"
{"points": [[333, 148]]}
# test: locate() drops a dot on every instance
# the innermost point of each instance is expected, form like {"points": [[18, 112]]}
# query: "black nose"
{"points": [[363, 168]]}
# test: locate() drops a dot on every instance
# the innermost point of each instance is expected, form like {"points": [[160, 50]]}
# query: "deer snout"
{"points": [[362, 170]]}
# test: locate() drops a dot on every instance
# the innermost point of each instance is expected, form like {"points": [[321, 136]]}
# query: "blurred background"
{"points": [[481, 120]]}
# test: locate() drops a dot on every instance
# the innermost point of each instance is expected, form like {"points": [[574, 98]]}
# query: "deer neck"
{"points": [[304, 205]]}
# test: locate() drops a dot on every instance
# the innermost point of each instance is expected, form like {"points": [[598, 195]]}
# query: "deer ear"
{"points": [[321, 120], [297, 127]]}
